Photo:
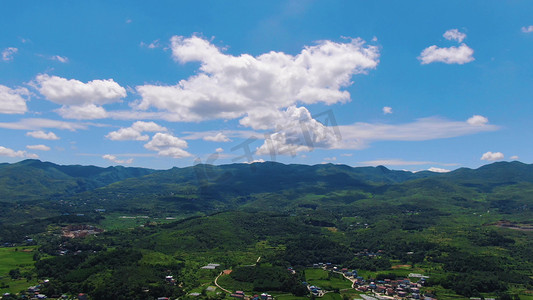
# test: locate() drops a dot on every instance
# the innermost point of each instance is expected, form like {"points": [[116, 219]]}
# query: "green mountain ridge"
{"points": [[469, 229], [37, 180]]}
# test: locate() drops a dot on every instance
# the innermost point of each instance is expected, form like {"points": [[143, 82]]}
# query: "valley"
{"points": [[466, 232]]}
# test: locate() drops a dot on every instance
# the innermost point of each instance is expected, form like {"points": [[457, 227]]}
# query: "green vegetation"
{"points": [[326, 280], [469, 230], [16, 269]]}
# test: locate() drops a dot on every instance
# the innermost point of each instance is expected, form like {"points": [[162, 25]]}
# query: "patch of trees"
{"points": [[114, 274], [490, 238], [304, 250], [369, 263], [471, 284], [270, 279]]}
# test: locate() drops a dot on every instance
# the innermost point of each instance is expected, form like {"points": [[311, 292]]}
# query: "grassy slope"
{"points": [[11, 259]]}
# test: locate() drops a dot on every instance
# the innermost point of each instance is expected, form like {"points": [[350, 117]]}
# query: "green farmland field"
{"points": [[15, 258]]}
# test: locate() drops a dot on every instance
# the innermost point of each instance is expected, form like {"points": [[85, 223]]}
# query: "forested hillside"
{"points": [[469, 231]]}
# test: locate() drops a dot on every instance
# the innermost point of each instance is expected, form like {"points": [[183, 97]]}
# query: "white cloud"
{"points": [[134, 133], [297, 131], [330, 158], [114, 159], [452, 55], [347, 154], [147, 127], [438, 170], [255, 161], [245, 134], [38, 147], [477, 120], [84, 112], [387, 110], [219, 137], [127, 134], [514, 157], [13, 101], [359, 135], [454, 35], [61, 59], [492, 156], [152, 45], [168, 145], [219, 150], [74, 92], [7, 53], [527, 29], [12, 153], [43, 135], [77, 97], [37, 123], [229, 86]]}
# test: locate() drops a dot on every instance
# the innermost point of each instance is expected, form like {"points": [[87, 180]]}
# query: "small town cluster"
{"points": [[382, 289]]}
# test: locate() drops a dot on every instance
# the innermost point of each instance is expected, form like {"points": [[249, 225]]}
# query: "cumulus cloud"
{"points": [[135, 132], [514, 157], [492, 156], [168, 145], [74, 92], [527, 29], [39, 134], [219, 150], [229, 86], [477, 120], [12, 153], [114, 159], [219, 137], [77, 97], [13, 101], [387, 110], [8, 53], [452, 55], [38, 147], [454, 35], [297, 131]]}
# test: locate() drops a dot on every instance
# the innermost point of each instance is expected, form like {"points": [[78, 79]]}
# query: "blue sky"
{"points": [[410, 85]]}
